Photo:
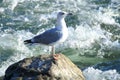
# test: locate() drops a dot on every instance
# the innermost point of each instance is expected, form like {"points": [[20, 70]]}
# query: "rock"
{"points": [[44, 67]]}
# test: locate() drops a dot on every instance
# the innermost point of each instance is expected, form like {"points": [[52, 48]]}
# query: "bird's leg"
{"points": [[55, 56], [49, 50], [53, 50]]}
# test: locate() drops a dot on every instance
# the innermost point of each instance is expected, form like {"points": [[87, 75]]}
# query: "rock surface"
{"points": [[44, 67]]}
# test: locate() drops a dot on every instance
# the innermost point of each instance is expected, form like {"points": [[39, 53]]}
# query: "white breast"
{"points": [[61, 25], [65, 35]]}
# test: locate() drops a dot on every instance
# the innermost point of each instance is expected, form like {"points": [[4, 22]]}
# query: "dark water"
{"points": [[94, 33]]}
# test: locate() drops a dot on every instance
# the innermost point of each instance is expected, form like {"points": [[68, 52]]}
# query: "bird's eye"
{"points": [[62, 13]]}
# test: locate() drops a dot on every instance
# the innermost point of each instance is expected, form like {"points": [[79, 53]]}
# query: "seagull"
{"points": [[53, 36]]}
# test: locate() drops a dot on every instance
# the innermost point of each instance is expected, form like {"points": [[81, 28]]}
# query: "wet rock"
{"points": [[44, 67]]}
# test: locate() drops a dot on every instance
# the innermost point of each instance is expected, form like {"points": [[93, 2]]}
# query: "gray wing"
{"points": [[48, 36]]}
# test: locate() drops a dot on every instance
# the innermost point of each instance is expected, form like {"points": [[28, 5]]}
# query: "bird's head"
{"points": [[63, 14]]}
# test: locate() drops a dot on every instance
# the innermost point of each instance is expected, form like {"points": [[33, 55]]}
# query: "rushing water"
{"points": [[94, 33]]}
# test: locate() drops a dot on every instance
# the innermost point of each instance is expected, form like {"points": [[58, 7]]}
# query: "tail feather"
{"points": [[27, 41]]}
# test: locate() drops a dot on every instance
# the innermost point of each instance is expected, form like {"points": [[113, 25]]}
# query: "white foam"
{"points": [[83, 36], [96, 74], [13, 43]]}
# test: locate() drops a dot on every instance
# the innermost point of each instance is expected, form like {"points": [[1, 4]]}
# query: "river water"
{"points": [[94, 33]]}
